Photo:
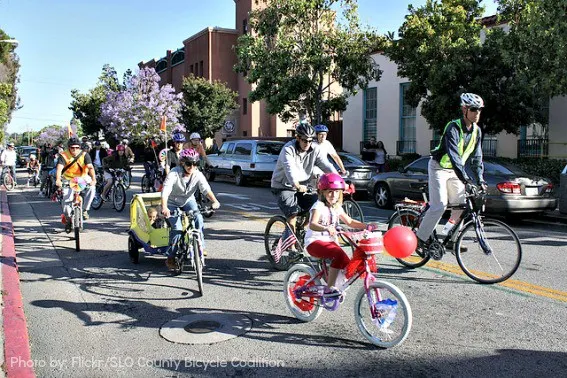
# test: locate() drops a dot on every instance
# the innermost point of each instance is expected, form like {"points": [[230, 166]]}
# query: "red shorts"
{"points": [[329, 250]]}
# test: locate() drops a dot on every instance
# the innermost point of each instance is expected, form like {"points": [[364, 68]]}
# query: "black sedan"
{"points": [[359, 172], [510, 190]]}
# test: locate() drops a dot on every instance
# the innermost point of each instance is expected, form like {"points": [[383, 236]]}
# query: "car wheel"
{"points": [[382, 196], [239, 179]]}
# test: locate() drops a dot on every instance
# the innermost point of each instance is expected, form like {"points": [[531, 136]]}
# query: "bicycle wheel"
{"points": [[198, 263], [494, 252], [306, 308], [393, 316], [119, 197], [409, 218], [77, 227], [9, 181], [145, 184], [97, 200], [353, 210], [279, 243]]}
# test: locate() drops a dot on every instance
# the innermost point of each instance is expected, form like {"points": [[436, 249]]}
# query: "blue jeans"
{"points": [[176, 226]]}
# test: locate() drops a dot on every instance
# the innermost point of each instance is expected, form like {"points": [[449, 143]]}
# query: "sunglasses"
{"points": [[306, 140], [190, 164], [475, 109], [75, 148]]}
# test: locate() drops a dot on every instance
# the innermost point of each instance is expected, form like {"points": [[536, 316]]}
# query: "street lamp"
{"points": [[11, 41]]}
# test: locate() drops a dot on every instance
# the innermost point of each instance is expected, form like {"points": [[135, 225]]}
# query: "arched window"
{"points": [[161, 66], [178, 57]]}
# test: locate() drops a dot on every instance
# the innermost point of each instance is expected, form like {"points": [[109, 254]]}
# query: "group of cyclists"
{"points": [[299, 161]]}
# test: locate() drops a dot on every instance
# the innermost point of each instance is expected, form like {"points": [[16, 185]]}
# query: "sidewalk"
{"points": [[16, 354]]}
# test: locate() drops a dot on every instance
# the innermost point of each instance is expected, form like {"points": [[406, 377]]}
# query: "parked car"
{"points": [[246, 159], [359, 171], [23, 153], [510, 190]]}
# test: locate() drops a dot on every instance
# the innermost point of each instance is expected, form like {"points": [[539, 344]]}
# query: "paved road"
{"points": [[94, 314]]}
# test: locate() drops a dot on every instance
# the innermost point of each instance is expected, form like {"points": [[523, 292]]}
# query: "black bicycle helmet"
{"points": [[73, 141], [305, 130]]}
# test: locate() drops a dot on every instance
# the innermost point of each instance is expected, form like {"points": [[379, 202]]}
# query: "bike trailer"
{"points": [[153, 240]]}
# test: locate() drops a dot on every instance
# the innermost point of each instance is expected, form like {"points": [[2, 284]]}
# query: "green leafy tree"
{"points": [[86, 107], [538, 29], [9, 67], [206, 105], [298, 50], [440, 51]]}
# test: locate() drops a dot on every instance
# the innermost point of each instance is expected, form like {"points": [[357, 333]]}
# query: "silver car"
{"points": [[510, 191]]}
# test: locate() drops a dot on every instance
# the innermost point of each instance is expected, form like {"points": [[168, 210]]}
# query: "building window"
{"points": [[245, 26], [370, 112], [406, 144], [244, 106], [191, 69], [178, 57], [161, 66], [244, 133], [201, 68]]}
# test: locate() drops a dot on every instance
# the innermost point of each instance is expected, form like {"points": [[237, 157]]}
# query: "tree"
{"points": [[135, 111], [206, 105], [298, 49], [440, 52], [86, 107], [9, 67], [53, 134], [539, 32]]}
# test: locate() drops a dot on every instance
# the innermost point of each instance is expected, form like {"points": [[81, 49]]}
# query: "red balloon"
{"points": [[400, 242]]}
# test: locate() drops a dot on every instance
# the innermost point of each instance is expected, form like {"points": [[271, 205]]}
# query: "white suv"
{"points": [[245, 159]]}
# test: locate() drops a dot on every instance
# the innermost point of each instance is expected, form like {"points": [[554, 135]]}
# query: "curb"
{"points": [[17, 353]]}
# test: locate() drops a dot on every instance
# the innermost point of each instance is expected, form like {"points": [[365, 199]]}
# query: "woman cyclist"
{"points": [[33, 167], [178, 192], [195, 143], [117, 160], [172, 157]]}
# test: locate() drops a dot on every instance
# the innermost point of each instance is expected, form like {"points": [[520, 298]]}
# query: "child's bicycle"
{"points": [[77, 185], [381, 310], [493, 250], [285, 247], [116, 193]]}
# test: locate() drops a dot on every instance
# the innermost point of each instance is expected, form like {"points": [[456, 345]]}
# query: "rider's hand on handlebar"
{"points": [[302, 188], [58, 183], [483, 186], [215, 205], [471, 188], [332, 230], [165, 212], [371, 227]]}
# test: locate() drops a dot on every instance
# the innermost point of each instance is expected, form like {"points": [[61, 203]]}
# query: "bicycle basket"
{"points": [[369, 242]]}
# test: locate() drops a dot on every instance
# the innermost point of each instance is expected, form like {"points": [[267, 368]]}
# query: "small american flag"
{"points": [[286, 241]]}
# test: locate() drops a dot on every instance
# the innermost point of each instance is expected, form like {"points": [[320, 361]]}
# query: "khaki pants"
{"points": [[444, 188]]}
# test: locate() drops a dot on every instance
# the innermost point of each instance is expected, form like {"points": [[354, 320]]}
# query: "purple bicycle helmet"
{"points": [[178, 137]]}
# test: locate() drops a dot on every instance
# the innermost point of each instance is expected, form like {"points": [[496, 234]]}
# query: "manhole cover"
{"points": [[202, 326], [205, 328]]}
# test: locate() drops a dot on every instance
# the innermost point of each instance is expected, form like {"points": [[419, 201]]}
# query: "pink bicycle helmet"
{"points": [[120, 147], [189, 155], [331, 181]]}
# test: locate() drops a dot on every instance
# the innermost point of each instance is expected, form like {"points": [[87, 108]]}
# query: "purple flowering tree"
{"points": [[135, 112], [53, 134]]}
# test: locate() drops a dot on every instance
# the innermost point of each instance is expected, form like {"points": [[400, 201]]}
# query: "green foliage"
{"points": [[206, 105], [86, 106], [539, 31], [299, 50], [9, 67], [440, 51], [405, 159]]}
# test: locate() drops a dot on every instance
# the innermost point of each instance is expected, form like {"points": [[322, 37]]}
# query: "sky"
{"points": [[63, 44]]}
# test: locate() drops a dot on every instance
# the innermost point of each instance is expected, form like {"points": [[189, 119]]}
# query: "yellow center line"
{"points": [[518, 285]]}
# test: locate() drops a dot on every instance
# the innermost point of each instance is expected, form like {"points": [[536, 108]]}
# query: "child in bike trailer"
{"points": [[321, 235], [33, 167]]}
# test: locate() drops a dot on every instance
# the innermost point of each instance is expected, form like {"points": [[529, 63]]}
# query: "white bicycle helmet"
{"points": [[195, 136], [472, 100], [32, 157]]}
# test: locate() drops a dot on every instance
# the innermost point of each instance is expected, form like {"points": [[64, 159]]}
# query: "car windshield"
{"points": [[492, 168], [352, 160], [269, 148]]}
